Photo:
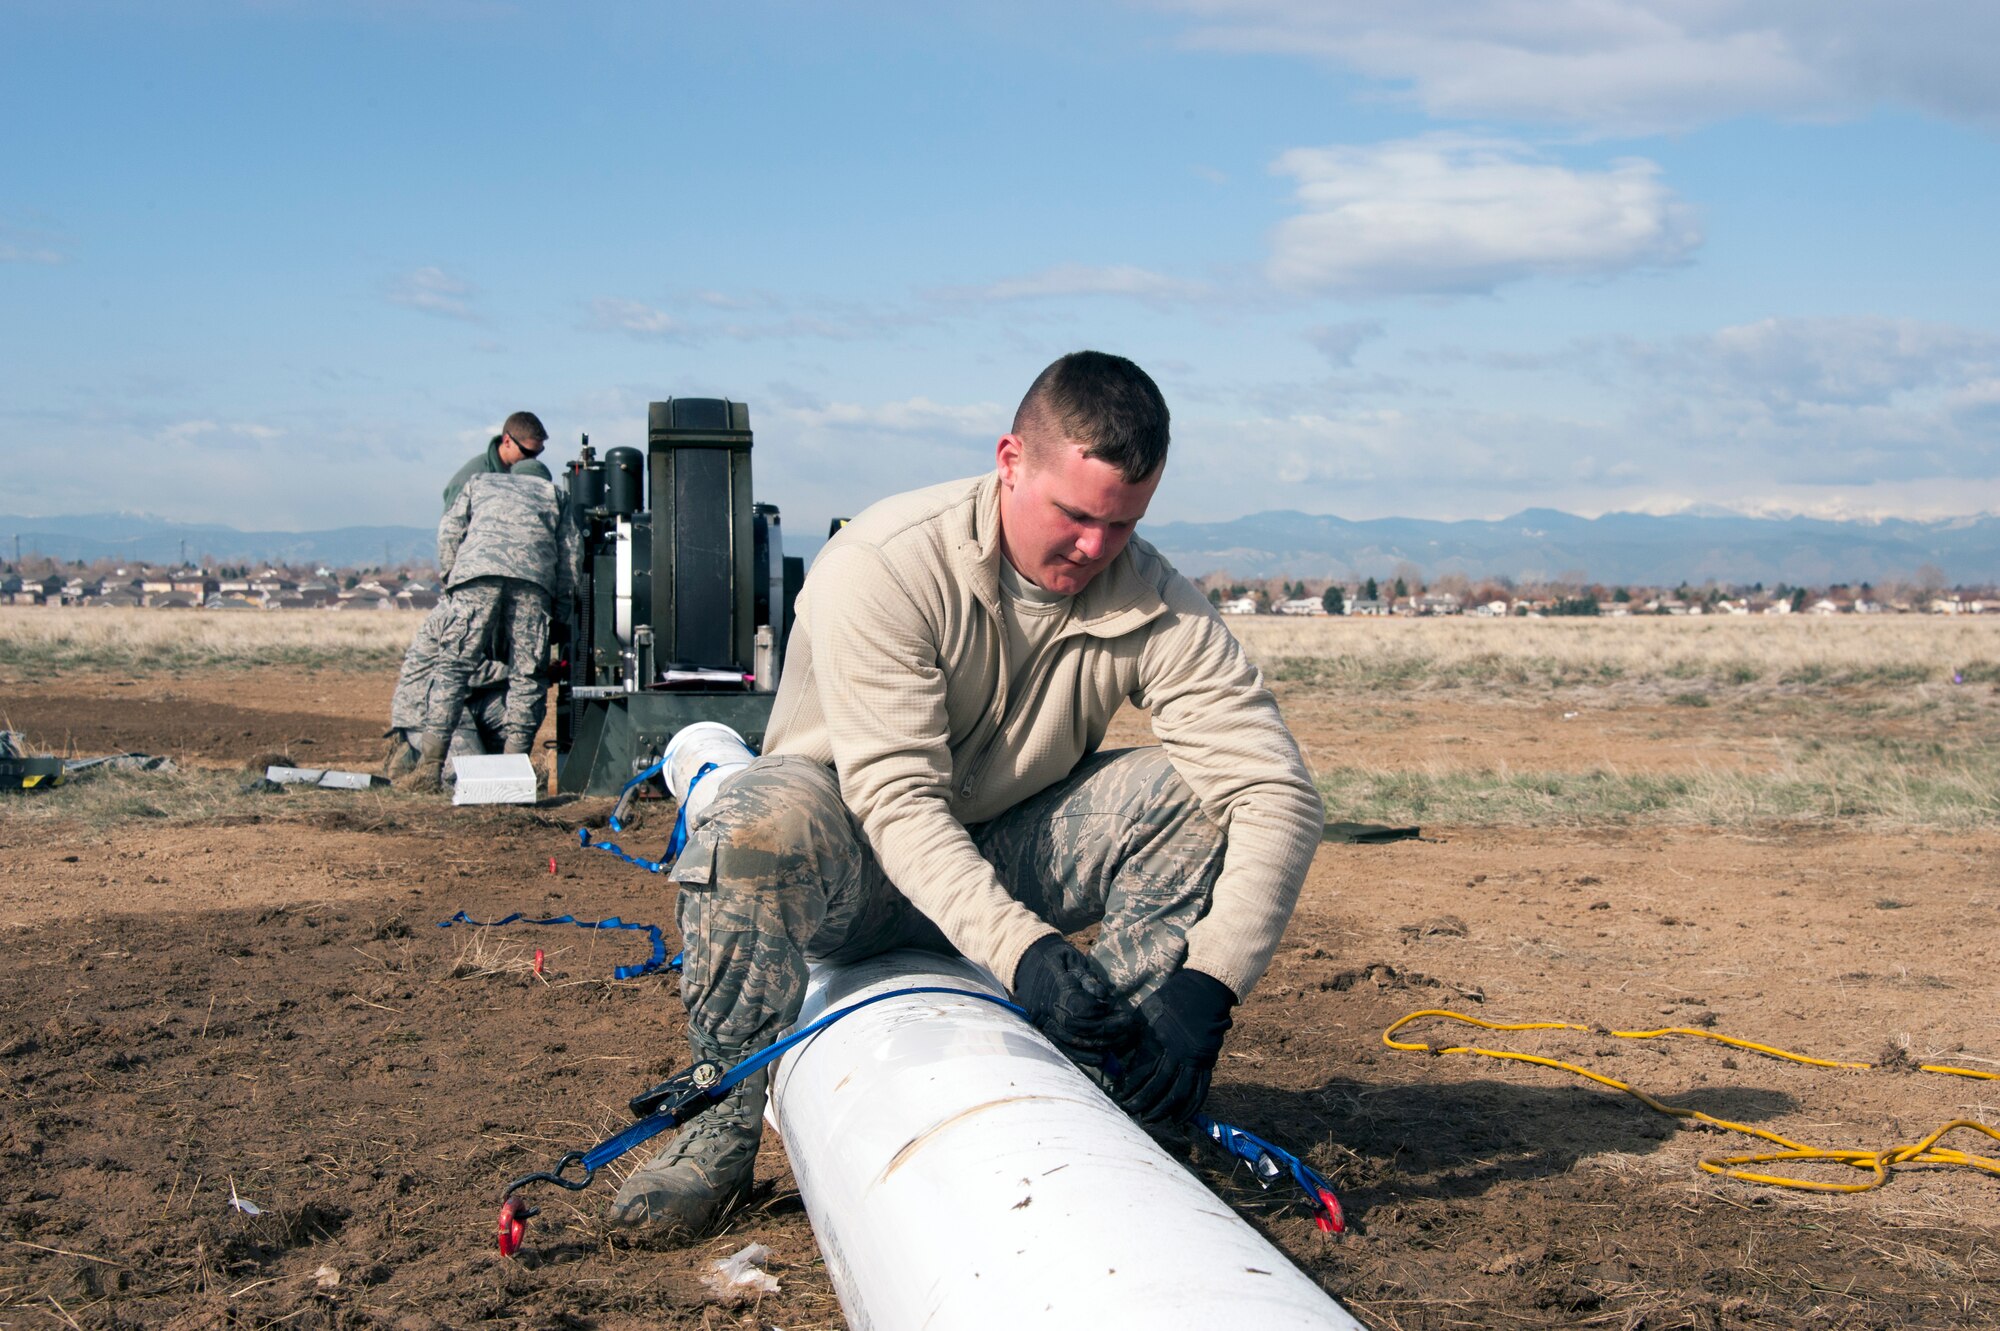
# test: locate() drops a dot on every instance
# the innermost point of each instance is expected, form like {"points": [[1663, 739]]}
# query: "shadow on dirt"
{"points": [[1452, 1140]]}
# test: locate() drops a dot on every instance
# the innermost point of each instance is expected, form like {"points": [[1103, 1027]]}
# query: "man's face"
{"points": [[1065, 517], [512, 450]]}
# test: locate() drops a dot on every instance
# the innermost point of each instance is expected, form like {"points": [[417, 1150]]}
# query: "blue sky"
{"points": [[287, 264]]}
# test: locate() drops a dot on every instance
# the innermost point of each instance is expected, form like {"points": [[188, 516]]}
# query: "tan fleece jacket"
{"points": [[896, 675]]}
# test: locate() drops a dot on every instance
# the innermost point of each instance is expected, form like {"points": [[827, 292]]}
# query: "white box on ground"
{"points": [[494, 778]]}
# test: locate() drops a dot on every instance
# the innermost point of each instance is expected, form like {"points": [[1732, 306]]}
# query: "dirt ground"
{"points": [[261, 1006]]}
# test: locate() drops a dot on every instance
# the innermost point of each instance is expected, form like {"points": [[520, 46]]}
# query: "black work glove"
{"points": [[1069, 1000], [1166, 1081]]}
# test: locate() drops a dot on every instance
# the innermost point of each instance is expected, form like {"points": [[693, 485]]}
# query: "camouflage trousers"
{"points": [[484, 714], [777, 873], [505, 619]]}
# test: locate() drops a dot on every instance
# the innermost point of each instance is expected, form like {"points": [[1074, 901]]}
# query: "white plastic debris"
{"points": [[742, 1273], [495, 778], [326, 1277], [322, 776], [243, 1204]]}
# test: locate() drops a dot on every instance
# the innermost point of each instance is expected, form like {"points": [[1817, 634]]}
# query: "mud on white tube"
{"points": [[962, 1175]]}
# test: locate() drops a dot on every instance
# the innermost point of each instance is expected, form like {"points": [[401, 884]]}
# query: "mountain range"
{"points": [[1541, 544], [138, 538], [1534, 545]]}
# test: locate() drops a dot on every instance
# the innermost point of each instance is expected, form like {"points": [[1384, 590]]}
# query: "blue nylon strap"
{"points": [[1261, 1156], [674, 846], [1265, 1160], [658, 959], [650, 866], [764, 1057], [678, 842], [647, 1128], [629, 787], [653, 1125]]}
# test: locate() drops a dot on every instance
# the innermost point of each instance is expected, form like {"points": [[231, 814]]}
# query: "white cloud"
{"points": [[1852, 415], [916, 415], [1624, 66], [41, 254], [1976, 403], [633, 318], [1853, 361], [29, 244], [434, 291], [1076, 279], [208, 434], [1452, 214], [1339, 342], [811, 319]]}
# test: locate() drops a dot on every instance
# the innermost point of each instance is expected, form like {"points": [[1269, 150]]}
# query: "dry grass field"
{"points": [[1783, 830]]}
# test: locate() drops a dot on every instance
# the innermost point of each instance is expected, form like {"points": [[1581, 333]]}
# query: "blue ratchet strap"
{"points": [[658, 959], [764, 1057], [687, 1093], [626, 792], [675, 845], [679, 841], [1267, 1161], [681, 1097]]}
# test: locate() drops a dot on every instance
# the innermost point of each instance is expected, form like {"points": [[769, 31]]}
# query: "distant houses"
{"points": [[192, 589]]}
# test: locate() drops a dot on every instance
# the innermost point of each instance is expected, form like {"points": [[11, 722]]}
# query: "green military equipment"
{"points": [[682, 605]]}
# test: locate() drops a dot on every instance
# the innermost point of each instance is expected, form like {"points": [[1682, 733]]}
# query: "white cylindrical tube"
{"points": [[621, 589], [692, 748], [962, 1175]]}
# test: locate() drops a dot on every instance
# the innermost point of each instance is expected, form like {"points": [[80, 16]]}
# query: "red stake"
{"points": [[538, 962], [552, 866]]}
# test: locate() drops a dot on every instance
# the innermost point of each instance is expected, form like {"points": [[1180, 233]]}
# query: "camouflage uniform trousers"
{"points": [[777, 872], [514, 615], [481, 722]]}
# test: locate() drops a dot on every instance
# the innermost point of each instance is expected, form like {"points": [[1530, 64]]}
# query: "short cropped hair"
{"points": [[525, 427], [1104, 402]]}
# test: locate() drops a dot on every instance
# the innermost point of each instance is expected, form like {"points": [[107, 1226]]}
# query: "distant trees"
{"points": [[1332, 600], [1370, 592], [1930, 580], [1585, 604]]}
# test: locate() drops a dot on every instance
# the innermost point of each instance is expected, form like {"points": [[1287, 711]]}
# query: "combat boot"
{"points": [[427, 777], [399, 756], [705, 1170]]}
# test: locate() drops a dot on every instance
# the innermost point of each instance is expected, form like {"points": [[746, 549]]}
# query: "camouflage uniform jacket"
{"points": [[896, 676], [480, 463], [509, 526]]}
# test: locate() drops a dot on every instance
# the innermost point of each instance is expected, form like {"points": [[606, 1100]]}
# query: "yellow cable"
{"points": [[1877, 1164]]}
